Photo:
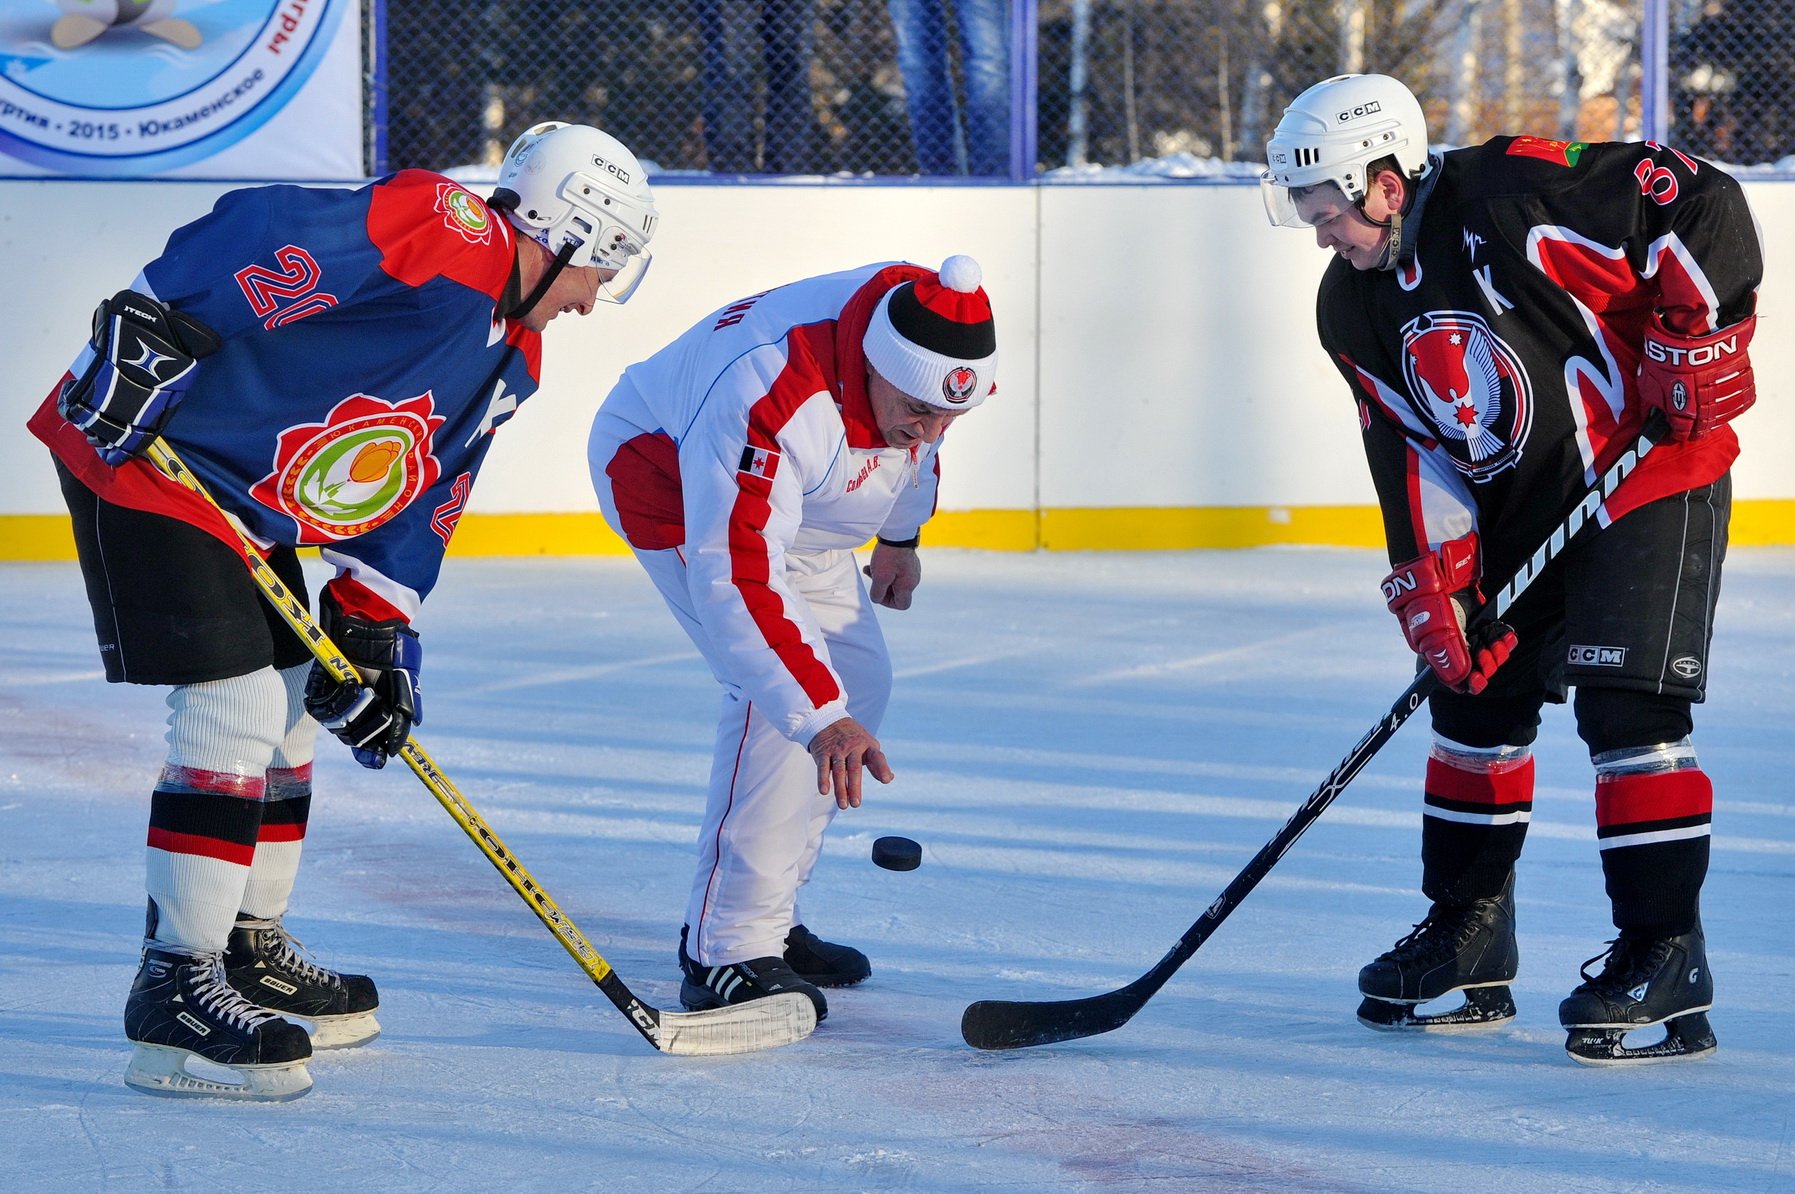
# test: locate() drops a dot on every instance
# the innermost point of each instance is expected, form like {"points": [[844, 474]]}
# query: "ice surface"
{"points": [[1088, 746]]}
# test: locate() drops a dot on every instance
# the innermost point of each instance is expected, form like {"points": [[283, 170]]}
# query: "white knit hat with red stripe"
{"points": [[934, 339]]}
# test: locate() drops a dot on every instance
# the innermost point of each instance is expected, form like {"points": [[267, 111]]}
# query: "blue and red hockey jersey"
{"points": [[363, 369]]}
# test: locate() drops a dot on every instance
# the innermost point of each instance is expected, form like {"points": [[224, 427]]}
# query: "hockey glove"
{"points": [[145, 356], [1699, 382], [375, 717], [1430, 597]]}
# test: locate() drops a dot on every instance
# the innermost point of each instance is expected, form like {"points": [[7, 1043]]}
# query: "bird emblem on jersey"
{"points": [[1471, 387]]}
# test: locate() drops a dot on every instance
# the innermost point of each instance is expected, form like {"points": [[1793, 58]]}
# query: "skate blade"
{"points": [[339, 1032], [162, 1070], [1485, 1008], [738, 1027], [1686, 1038]]}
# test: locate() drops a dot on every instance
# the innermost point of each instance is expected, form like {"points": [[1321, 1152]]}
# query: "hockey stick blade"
{"points": [[1005, 1024], [736, 1029], [740, 1028]]}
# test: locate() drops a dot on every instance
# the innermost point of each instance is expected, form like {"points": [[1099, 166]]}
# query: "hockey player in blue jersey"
{"points": [[331, 364]]}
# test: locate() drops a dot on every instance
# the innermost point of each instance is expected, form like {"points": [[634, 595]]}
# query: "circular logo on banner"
{"points": [[129, 87], [354, 471]]}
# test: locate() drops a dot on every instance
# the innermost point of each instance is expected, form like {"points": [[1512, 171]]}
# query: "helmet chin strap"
{"points": [[1392, 244], [522, 307]]}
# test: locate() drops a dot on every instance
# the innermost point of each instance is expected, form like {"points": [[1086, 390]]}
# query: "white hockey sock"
{"points": [[207, 806], [286, 807]]}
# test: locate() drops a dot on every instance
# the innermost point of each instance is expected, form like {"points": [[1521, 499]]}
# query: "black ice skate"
{"points": [[264, 963], [181, 1009], [1459, 947], [823, 962], [1661, 980], [738, 982]]}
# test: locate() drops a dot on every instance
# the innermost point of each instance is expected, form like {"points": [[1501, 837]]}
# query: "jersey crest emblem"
{"points": [[464, 214], [356, 470], [1471, 387]]}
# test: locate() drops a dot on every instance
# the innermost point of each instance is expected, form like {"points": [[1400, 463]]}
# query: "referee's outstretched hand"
{"points": [[841, 749]]}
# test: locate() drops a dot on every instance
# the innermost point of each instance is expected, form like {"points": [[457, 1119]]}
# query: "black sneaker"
{"points": [[737, 982], [1644, 981], [266, 964], [181, 1008], [1458, 947], [823, 962]]}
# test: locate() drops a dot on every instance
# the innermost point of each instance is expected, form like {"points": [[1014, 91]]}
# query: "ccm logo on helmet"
{"points": [[619, 174], [1361, 110], [1701, 354]]}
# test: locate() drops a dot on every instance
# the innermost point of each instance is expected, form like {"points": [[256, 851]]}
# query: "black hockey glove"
{"points": [[145, 356], [374, 717]]}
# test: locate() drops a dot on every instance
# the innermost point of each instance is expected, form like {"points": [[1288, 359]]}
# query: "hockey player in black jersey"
{"points": [[1508, 316]]}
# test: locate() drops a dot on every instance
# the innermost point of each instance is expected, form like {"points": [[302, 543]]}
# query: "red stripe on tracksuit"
{"points": [[1643, 799], [750, 561]]}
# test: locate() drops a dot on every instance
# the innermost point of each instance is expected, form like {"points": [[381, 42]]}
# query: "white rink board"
{"points": [[1157, 339]]}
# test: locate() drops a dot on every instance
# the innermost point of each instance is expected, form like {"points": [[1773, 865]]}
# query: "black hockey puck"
{"points": [[897, 854]]}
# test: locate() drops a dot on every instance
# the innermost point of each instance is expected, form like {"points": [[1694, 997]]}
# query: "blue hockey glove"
{"points": [[375, 717], [145, 356]]}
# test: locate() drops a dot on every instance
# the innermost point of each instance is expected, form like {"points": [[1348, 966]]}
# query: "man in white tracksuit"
{"points": [[743, 464]]}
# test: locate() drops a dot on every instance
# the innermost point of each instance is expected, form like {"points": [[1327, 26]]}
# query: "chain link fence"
{"points": [[1019, 89]]}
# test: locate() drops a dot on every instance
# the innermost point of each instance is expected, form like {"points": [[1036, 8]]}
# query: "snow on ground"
{"points": [[1088, 746]]}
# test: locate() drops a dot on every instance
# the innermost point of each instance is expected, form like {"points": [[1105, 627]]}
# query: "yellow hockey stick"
{"points": [[740, 1028]]}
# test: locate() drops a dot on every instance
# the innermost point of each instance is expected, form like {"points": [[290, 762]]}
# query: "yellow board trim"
{"points": [[1765, 522]]}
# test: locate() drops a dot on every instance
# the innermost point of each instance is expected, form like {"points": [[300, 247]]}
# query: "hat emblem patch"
{"points": [[958, 384]]}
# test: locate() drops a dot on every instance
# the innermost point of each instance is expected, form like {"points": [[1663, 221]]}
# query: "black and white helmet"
{"points": [[1332, 132], [572, 185]]}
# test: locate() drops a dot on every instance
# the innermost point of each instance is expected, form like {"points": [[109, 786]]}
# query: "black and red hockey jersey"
{"points": [[1495, 369]]}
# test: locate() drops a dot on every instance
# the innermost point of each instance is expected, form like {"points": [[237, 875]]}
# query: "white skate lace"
{"points": [[217, 998], [290, 956]]}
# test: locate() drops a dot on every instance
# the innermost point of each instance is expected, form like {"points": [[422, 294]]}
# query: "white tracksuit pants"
{"points": [[764, 821]]}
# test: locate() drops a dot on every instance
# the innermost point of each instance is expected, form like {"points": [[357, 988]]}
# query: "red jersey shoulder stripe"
{"points": [[427, 226]]}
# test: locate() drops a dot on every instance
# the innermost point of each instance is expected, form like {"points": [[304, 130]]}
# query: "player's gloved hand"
{"points": [[145, 356], [374, 717], [1430, 596], [1699, 382]]}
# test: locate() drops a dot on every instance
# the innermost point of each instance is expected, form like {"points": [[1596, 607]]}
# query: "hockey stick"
{"points": [[740, 1028], [1005, 1024]]}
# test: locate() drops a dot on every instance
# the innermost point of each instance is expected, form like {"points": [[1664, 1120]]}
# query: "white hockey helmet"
{"points": [[1332, 132], [572, 185]]}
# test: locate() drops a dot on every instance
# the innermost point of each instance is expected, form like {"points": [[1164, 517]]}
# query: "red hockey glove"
{"points": [[1429, 596], [1699, 382]]}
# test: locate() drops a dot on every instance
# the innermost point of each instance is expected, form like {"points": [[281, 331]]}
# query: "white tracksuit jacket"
{"points": [[743, 465]]}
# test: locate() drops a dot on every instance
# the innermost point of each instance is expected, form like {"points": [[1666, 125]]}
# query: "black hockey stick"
{"points": [[1006, 1024]]}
